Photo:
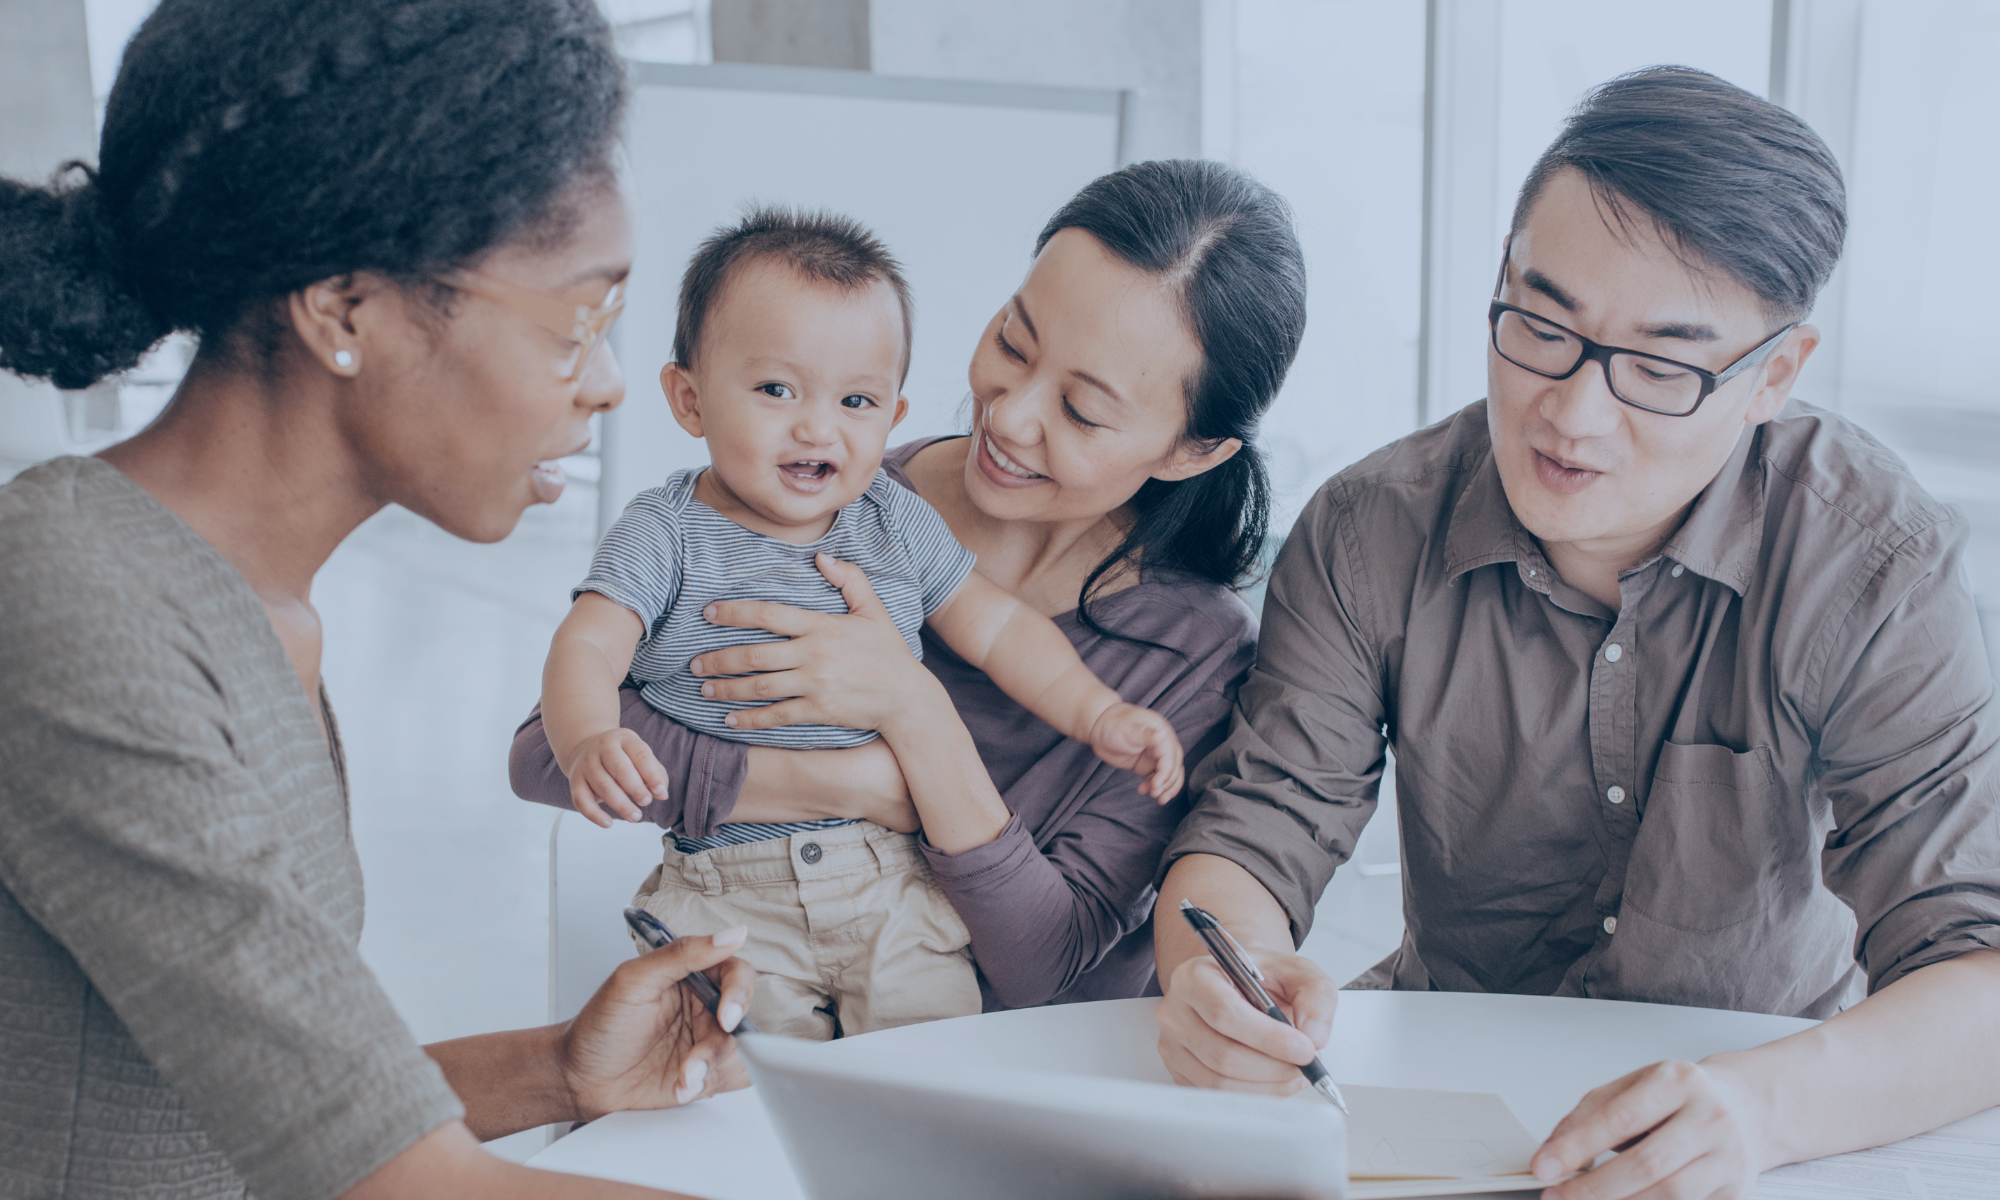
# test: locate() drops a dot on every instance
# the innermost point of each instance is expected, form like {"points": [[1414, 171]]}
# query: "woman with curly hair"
{"points": [[399, 229]]}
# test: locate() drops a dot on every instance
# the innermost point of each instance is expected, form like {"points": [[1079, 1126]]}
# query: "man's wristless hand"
{"points": [[1678, 1128]]}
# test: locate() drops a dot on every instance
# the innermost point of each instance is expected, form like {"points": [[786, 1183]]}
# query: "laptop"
{"points": [[887, 1127]]}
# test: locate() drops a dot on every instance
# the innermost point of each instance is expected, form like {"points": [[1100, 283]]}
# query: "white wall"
{"points": [[1152, 47], [1553, 51], [45, 119], [1923, 251], [112, 24], [1329, 105], [957, 180], [44, 87]]}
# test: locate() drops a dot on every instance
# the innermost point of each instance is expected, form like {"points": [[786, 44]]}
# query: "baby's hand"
{"points": [[615, 769], [1143, 742]]}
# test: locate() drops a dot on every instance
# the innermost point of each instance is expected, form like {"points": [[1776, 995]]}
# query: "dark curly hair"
{"points": [[1226, 244], [253, 147]]}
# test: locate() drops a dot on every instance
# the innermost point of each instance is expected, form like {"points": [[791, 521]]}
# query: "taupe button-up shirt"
{"points": [[1770, 774]]}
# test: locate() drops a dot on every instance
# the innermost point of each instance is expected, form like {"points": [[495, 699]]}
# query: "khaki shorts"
{"points": [[848, 931]]}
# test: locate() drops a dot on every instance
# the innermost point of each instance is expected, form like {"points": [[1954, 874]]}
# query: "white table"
{"points": [[1540, 1053]]}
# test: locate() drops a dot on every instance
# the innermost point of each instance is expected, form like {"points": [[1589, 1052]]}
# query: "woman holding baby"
{"points": [[367, 212], [1109, 484]]}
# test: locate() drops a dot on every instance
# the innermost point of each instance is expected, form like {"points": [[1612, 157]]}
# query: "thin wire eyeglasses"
{"points": [[1659, 385], [586, 325]]}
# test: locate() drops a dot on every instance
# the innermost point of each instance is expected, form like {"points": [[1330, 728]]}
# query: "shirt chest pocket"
{"points": [[1716, 835]]}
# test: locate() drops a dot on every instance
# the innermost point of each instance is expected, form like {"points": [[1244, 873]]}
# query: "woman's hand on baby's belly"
{"points": [[855, 670]]}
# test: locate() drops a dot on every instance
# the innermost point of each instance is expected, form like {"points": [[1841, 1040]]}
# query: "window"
{"points": [[1913, 359], [1328, 108], [1401, 133]]}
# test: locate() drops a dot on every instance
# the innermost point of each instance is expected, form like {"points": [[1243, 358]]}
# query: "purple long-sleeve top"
{"points": [[1060, 903]]}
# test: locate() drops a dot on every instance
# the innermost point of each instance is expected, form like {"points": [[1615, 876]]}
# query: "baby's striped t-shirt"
{"points": [[670, 555]]}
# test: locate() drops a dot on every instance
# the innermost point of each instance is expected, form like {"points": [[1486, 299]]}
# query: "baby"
{"points": [[793, 342]]}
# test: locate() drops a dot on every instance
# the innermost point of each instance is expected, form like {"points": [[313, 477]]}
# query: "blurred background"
{"points": [[1398, 129]]}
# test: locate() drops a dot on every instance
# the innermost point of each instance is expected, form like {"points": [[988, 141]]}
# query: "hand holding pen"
{"points": [[641, 1041], [1242, 971], [654, 932]]}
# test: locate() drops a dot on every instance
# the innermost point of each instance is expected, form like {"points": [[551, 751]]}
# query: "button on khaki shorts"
{"points": [[848, 931]]}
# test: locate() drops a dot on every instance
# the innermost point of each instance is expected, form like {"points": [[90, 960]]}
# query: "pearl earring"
{"points": [[343, 358]]}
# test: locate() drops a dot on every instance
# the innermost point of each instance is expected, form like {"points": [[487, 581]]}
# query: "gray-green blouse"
{"points": [[184, 1011]]}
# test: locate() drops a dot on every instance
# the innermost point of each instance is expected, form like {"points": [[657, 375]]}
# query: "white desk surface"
{"points": [[1539, 1053]]}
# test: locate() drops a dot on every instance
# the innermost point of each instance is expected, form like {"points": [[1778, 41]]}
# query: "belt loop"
{"points": [[890, 848], [711, 878], [685, 870], [674, 863]]}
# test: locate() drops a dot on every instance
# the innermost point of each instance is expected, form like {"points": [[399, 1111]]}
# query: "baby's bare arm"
{"points": [[1031, 660], [588, 659], [1023, 652]]}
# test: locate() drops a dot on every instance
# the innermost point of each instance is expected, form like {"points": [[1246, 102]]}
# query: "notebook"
{"points": [[1414, 1142]]}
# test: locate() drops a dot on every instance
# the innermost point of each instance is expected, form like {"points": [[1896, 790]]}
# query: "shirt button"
{"points": [[1615, 794], [811, 853], [1677, 570], [1611, 924], [1613, 652]]}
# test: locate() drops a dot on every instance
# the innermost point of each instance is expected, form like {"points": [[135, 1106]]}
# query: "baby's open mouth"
{"points": [[808, 469]]}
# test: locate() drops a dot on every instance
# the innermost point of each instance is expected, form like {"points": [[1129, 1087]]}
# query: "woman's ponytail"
{"points": [[69, 313], [1212, 525]]}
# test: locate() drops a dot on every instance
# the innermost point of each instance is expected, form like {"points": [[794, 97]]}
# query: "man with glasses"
{"points": [[1684, 682]]}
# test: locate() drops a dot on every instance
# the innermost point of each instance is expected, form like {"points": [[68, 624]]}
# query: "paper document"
{"points": [[1921, 1168], [1412, 1142]]}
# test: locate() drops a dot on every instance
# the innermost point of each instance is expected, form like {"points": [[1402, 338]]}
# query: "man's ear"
{"points": [[902, 410], [324, 315], [1190, 459], [682, 397], [1780, 372]]}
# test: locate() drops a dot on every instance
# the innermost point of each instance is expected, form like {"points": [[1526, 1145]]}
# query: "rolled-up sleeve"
{"points": [[1908, 736], [1287, 793], [705, 775]]}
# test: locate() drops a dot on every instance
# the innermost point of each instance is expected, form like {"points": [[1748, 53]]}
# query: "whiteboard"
{"points": [[957, 178]]}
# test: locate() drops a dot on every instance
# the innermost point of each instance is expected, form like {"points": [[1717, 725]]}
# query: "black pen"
{"points": [[656, 935], [1243, 972]]}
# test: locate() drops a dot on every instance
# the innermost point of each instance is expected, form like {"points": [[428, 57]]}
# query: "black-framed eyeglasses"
{"points": [[1644, 381]]}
